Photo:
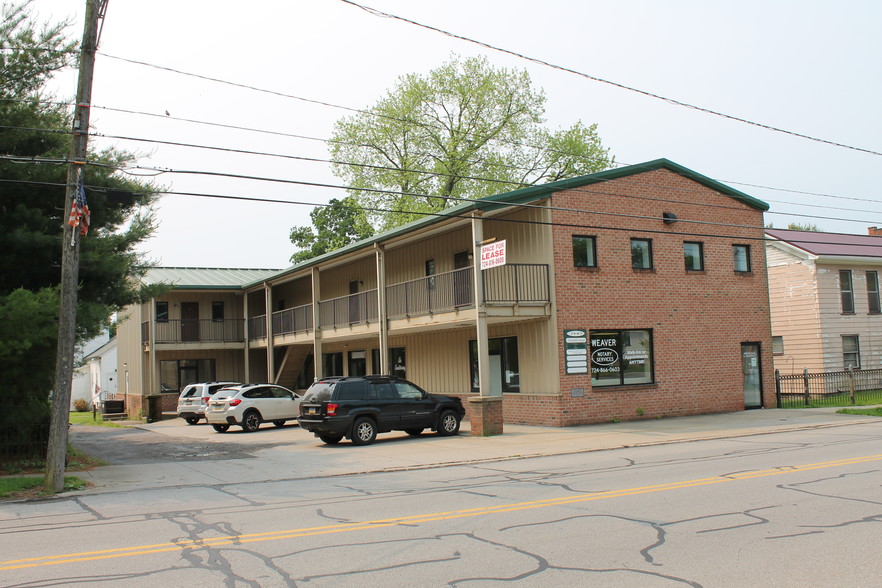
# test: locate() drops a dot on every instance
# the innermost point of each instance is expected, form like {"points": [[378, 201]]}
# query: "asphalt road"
{"points": [[798, 508]]}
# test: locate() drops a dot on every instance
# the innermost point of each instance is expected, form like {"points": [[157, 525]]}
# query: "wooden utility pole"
{"points": [[70, 256]]}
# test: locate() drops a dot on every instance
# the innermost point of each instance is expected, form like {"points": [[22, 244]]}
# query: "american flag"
{"points": [[79, 210]]}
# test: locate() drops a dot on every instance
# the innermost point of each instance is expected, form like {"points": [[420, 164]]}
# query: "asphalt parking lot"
{"points": [[177, 442]]}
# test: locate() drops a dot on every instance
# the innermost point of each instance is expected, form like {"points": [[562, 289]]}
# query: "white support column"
{"points": [[316, 324], [381, 301], [480, 310], [153, 381], [270, 353]]}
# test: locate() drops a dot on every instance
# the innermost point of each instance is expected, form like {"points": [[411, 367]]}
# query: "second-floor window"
{"points": [[741, 258], [162, 312], [217, 311], [641, 253], [846, 291], [430, 272], [693, 255], [584, 252], [873, 292]]}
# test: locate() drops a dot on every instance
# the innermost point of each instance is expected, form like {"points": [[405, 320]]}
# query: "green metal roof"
{"points": [[523, 196], [206, 277]]}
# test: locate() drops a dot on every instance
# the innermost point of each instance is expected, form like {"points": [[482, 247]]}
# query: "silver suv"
{"points": [[194, 399], [249, 405]]}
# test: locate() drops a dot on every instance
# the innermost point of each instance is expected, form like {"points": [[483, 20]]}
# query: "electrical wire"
{"points": [[673, 101]]}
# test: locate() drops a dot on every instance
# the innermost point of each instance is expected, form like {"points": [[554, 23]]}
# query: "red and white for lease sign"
{"points": [[493, 254]]}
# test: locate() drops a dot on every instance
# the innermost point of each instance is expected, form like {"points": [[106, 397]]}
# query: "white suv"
{"points": [[194, 399], [249, 405]]}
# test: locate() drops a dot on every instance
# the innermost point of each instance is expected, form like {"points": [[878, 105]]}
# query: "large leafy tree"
{"points": [[34, 145], [336, 225], [464, 130]]}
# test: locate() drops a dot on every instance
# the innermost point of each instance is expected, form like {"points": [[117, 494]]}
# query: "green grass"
{"points": [[866, 398], [32, 486], [875, 411], [85, 418]]}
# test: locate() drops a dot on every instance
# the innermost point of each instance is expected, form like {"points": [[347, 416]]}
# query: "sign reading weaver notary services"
{"points": [[576, 347], [493, 254]]}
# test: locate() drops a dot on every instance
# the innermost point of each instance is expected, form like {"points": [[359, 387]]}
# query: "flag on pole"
{"points": [[79, 210]]}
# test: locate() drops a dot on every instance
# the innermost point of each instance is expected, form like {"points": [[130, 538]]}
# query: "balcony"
{"points": [[349, 310], [196, 331], [433, 294], [291, 320]]}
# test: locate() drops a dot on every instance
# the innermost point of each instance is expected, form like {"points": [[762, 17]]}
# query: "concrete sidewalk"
{"points": [[300, 455]]}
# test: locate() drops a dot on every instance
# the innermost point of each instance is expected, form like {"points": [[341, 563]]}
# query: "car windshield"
{"points": [[189, 391], [319, 392], [225, 393]]}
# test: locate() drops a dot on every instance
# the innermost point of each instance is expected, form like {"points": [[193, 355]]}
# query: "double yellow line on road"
{"points": [[51, 560]]}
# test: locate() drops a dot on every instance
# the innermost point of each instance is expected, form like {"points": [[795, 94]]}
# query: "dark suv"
{"points": [[360, 407]]}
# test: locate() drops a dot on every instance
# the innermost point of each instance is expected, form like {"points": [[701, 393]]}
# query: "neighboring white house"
{"points": [[96, 378], [825, 300]]}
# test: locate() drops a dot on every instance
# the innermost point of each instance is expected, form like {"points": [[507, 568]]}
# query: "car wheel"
{"points": [[192, 420], [413, 432], [279, 423], [364, 431], [250, 422], [330, 439], [221, 428], [448, 424]]}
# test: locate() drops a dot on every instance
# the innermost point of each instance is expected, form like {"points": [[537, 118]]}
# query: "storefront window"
{"points": [[174, 374], [621, 358]]}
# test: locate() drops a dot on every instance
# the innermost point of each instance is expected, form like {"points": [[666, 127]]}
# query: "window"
{"points": [[584, 252], [741, 258], [409, 391], [508, 376], [693, 254], [846, 291], [397, 362], [217, 311], [851, 352], [873, 292], [162, 312], [620, 358], [777, 345], [176, 373], [641, 253]]}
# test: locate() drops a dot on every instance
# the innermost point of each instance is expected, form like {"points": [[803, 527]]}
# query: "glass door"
{"points": [[751, 372]]}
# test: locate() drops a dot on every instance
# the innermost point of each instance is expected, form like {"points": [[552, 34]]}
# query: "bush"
{"points": [[80, 405]]}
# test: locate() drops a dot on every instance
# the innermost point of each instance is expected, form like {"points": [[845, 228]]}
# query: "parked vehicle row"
{"points": [[357, 408]]}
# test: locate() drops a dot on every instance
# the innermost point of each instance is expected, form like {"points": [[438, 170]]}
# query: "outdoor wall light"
{"points": [[669, 218]]}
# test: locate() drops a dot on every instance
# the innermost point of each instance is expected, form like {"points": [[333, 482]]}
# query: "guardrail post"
{"points": [[778, 387], [850, 370], [805, 380]]}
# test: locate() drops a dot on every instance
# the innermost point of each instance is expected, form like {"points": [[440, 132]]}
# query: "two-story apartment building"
{"points": [[633, 292], [824, 296]]}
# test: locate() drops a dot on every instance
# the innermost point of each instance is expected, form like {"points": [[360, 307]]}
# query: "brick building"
{"points": [[637, 292]]}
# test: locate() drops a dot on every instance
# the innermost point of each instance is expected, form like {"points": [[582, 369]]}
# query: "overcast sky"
{"points": [[810, 67]]}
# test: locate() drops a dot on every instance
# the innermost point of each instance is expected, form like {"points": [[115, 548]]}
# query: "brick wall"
{"points": [[698, 319]]}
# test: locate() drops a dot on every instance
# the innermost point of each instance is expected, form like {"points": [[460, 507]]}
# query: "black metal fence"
{"points": [[859, 387], [18, 446]]}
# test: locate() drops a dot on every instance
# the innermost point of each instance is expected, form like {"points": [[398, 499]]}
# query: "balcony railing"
{"points": [[257, 327], [439, 293], [292, 320], [445, 292], [349, 310], [517, 283], [196, 331]]}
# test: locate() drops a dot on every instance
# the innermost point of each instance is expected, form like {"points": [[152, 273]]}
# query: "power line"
{"points": [[631, 181], [382, 14], [430, 196]]}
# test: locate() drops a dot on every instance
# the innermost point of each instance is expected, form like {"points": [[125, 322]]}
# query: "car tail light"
{"points": [[235, 402], [205, 400], [332, 408]]}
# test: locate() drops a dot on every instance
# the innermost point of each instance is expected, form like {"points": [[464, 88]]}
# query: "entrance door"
{"points": [[462, 280], [357, 363], [189, 321], [751, 372]]}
